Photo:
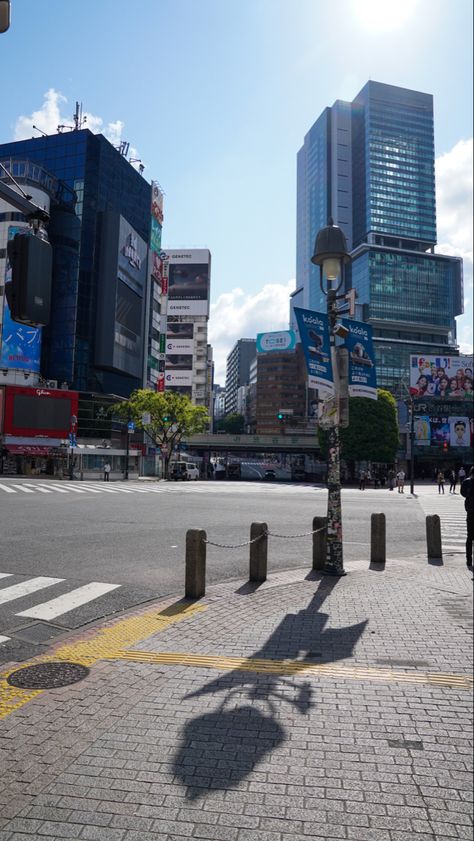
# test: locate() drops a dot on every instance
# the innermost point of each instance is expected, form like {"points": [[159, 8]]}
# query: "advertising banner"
{"points": [[178, 362], [180, 330], [157, 202], [278, 340], [448, 423], [362, 378], [189, 280], [314, 333], [441, 377], [178, 378], [182, 346], [155, 236], [20, 344], [422, 431]]}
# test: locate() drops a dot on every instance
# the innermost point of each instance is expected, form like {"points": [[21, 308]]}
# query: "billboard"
{"points": [[188, 282], [278, 340], [362, 378], [444, 424], [178, 362], [178, 378], [180, 330], [314, 333], [441, 377], [20, 344], [182, 346]]}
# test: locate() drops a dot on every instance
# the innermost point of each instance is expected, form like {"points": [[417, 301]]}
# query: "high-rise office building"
{"points": [[369, 164], [238, 371], [97, 339]]}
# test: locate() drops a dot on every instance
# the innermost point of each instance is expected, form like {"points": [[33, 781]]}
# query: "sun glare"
{"points": [[383, 15]]}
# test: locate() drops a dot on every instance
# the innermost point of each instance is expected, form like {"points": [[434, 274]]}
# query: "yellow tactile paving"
{"points": [[100, 645], [284, 667]]}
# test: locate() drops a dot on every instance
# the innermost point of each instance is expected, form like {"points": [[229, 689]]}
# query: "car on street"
{"points": [[269, 475], [183, 470]]}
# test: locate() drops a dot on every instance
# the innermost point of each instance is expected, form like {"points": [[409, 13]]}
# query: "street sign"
{"points": [[131, 426], [146, 419]]}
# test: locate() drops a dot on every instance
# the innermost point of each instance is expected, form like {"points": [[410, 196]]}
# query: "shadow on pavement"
{"points": [[220, 748]]}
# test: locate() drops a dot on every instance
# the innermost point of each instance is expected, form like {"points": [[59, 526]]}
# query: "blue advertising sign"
{"points": [[21, 344], [277, 340], [362, 378], [314, 333]]}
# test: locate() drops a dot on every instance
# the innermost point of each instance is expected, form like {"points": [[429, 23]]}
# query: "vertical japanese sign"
{"points": [[314, 333], [20, 344], [362, 376]]}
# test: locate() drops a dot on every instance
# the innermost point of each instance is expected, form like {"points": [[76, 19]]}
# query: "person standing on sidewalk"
{"points": [[453, 480], [440, 481], [467, 491], [391, 479], [362, 478], [401, 481], [461, 475], [107, 469]]}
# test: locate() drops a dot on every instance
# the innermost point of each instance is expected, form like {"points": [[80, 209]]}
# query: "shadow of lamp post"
{"points": [[330, 254]]}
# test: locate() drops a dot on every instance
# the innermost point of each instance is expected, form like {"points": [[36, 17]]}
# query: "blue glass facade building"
{"points": [[104, 183], [370, 165]]}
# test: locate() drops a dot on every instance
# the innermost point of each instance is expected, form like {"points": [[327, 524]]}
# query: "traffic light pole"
{"points": [[412, 446]]}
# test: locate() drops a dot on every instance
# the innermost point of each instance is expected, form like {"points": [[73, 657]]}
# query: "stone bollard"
{"points": [[195, 585], [258, 552], [377, 539], [433, 538], [319, 542]]}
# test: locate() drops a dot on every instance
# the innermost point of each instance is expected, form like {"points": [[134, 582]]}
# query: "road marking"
{"points": [[103, 490], [68, 601], [92, 490], [3, 639], [6, 574], [74, 490], [286, 667], [38, 488], [7, 489], [22, 488], [31, 585], [54, 487], [125, 632]]}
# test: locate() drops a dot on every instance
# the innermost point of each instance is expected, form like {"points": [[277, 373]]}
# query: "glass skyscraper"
{"points": [[370, 165]]}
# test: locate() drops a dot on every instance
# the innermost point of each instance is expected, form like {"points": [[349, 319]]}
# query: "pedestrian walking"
{"points": [[362, 479], [107, 470], [467, 491], [453, 480], [391, 479], [440, 481], [461, 475], [401, 481]]}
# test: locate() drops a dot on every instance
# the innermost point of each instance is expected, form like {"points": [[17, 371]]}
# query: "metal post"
{"points": [[334, 564], [412, 447], [258, 552], [433, 538], [377, 539], [319, 542], [127, 451], [195, 583]]}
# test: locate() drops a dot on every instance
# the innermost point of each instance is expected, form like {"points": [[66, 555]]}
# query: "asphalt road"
{"points": [[134, 542]]}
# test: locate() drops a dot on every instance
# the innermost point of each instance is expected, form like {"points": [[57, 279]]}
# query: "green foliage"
{"points": [[372, 434], [172, 416], [233, 424]]}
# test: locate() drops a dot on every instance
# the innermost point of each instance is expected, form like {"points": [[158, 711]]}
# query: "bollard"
{"points": [[319, 542], [433, 538], [258, 552], [195, 585], [377, 539]]}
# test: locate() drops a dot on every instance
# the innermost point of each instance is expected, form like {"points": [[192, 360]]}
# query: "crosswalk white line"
{"points": [[3, 639], [69, 601], [23, 488], [74, 490], [104, 490], [6, 574], [7, 489], [54, 487], [38, 488], [31, 585]]}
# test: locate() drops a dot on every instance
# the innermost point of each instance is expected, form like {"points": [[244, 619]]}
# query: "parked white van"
{"points": [[184, 470]]}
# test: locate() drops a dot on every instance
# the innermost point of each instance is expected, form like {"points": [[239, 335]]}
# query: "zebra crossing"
{"points": [[36, 600], [450, 509], [48, 487]]}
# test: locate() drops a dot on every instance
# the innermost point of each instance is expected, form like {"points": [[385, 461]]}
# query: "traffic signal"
{"points": [[280, 416], [445, 446], [29, 293]]}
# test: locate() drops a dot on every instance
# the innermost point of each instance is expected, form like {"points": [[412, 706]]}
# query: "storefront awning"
{"points": [[26, 450]]}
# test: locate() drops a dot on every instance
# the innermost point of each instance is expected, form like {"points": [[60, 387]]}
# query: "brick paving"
{"points": [[140, 752]]}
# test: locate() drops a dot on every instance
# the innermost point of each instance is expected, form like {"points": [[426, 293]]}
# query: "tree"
{"points": [[234, 424], [372, 434], [171, 417]]}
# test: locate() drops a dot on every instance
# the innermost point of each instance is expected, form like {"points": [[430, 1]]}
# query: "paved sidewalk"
{"points": [[307, 707]]}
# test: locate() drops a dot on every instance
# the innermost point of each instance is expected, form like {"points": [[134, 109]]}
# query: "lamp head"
{"points": [[330, 244]]}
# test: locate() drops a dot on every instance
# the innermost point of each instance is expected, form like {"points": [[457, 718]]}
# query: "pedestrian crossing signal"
{"points": [[445, 446]]}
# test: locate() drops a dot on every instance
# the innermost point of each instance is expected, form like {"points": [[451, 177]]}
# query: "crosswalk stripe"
{"points": [[6, 574], [31, 585], [7, 489], [88, 488], [3, 639], [38, 488], [54, 487], [22, 488], [104, 490], [74, 490], [69, 601]]}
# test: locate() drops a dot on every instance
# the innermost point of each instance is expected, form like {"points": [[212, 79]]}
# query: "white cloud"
{"points": [[454, 184], [237, 315], [49, 117]]}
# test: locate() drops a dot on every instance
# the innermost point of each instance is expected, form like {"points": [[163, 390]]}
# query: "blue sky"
{"points": [[216, 96]]}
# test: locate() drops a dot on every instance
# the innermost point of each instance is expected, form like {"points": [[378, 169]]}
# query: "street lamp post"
{"points": [[412, 446], [330, 254]]}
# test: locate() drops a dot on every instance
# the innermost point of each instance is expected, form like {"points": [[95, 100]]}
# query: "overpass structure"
{"points": [[304, 444]]}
